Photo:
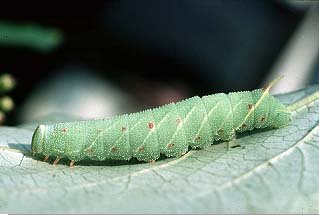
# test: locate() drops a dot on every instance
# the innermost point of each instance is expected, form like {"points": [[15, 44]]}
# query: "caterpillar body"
{"points": [[168, 130]]}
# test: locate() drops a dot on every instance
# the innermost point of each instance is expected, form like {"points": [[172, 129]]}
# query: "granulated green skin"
{"points": [[167, 130]]}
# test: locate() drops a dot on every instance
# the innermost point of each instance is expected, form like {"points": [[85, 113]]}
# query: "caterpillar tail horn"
{"points": [[272, 83]]}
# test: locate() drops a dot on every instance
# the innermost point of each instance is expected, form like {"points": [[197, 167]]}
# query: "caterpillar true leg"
{"points": [[72, 163], [56, 161]]}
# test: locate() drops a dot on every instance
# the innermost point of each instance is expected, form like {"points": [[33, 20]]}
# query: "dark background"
{"points": [[196, 47]]}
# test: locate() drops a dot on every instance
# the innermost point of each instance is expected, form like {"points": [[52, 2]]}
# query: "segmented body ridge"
{"points": [[168, 130]]}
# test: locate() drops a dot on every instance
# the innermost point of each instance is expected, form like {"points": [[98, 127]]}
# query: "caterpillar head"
{"points": [[38, 138], [282, 116]]}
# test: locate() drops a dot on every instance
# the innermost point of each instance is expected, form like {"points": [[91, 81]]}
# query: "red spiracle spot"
{"points": [[141, 149], [123, 129], [250, 106], [89, 150], [197, 138], [64, 130], [114, 149], [220, 131], [262, 118], [171, 145], [150, 125], [178, 121]]}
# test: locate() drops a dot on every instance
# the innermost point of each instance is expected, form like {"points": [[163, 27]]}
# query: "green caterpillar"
{"points": [[168, 130]]}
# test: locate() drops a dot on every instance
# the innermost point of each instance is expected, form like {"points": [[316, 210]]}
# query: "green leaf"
{"points": [[271, 171]]}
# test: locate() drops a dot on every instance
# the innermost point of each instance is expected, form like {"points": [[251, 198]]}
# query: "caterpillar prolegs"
{"points": [[168, 130]]}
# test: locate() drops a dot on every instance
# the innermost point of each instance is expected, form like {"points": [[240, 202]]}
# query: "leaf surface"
{"points": [[269, 171]]}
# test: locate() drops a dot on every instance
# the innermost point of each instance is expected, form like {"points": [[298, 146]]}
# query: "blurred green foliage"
{"points": [[29, 35]]}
